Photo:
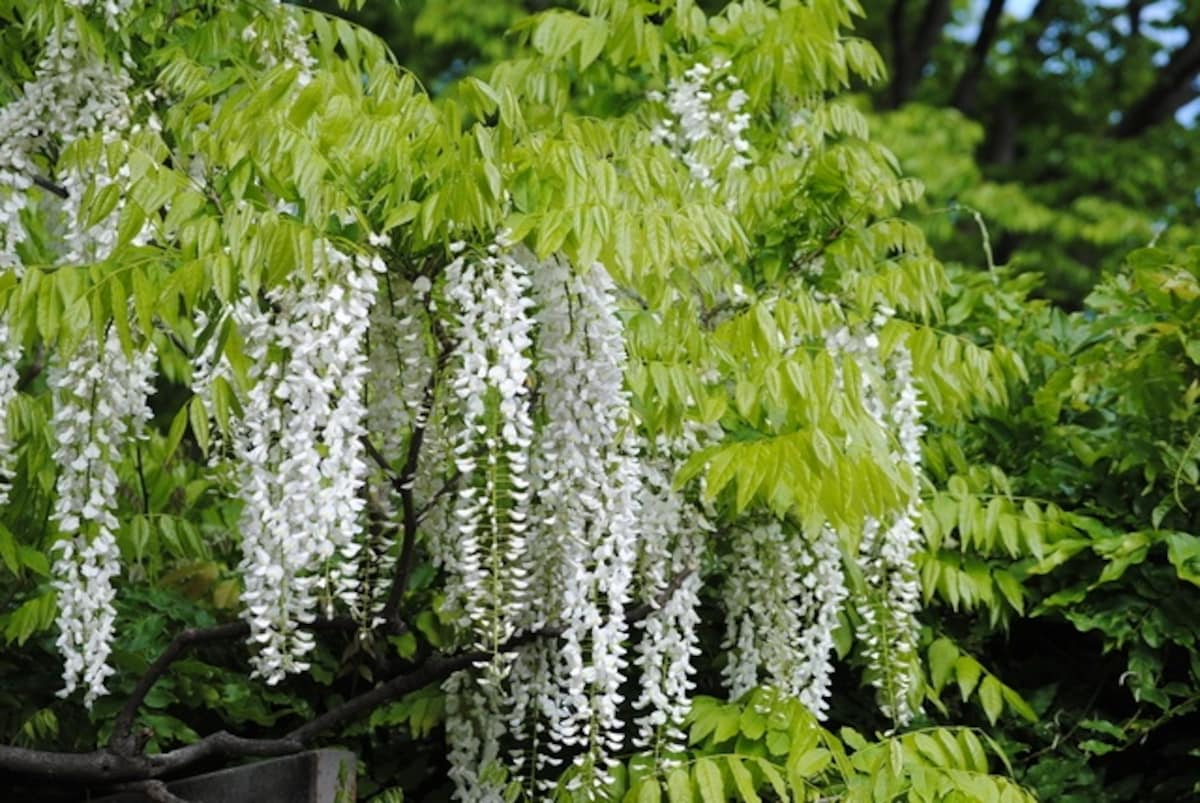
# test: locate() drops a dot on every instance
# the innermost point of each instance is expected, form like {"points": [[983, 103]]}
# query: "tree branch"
{"points": [[108, 766], [1172, 89], [910, 60], [450, 487], [33, 370], [1134, 10], [50, 186], [899, 49], [1004, 129], [646, 608], [403, 483], [122, 741], [967, 88], [155, 791]]}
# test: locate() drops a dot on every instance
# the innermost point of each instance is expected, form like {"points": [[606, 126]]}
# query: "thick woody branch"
{"points": [[155, 791], [646, 608], [450, 487], [909, 58], [123, 740], [110, 767]]}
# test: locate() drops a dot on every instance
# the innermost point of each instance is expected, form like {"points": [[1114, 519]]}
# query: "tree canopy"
{"points": [[631, 407]]}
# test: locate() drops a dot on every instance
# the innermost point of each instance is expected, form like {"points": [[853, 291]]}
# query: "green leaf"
{"points": [[778, 743], [679, 786], [942, 657], [773, 776], [708, 779], [742, 779], [809, 763], [991, 696], [1017, 703], [752, 723], [179, 425], [1011, 589], [8, 550], [966, 673], [1183, 550], [649, 791], [198, 417], [35, 560], [33, 616]]}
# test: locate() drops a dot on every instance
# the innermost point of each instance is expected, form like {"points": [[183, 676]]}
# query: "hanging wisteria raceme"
{"points": [[485, 553], [707, 126], [475, 728], [782, 597], [10, 355], [824, 594], [209, 368], [399, 372], [887, 610], [299, 450], [100, 403], [100, 393], [399, 366], [563, 698], [587, 480], [73, 94], [672, 539], [887, 556]]}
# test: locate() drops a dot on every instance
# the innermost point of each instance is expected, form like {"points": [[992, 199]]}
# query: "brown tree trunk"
{"points": [[909, 60], [966, 91], [1174, 88]]}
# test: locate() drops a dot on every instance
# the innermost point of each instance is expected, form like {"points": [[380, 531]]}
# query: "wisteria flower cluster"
{"points": [[299, 448], [399, 365], [74, 94], [673, 532], [707, 126], [889, 628], [887, 610], [486, 553], [100, 402], [587, 478], [10, 356], [100, 392], [583, 504], [782, 598]]}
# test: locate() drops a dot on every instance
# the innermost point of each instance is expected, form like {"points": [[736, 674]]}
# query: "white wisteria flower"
{"points": [[73, 94], [782, 599], [485, 553], [299, 448], [100, 398], [10, 356], [587, 481], [707, 127], [673, 531], [888, 628]]}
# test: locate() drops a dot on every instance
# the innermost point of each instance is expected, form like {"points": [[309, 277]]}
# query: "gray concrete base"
{"points": [[318, 776]]}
